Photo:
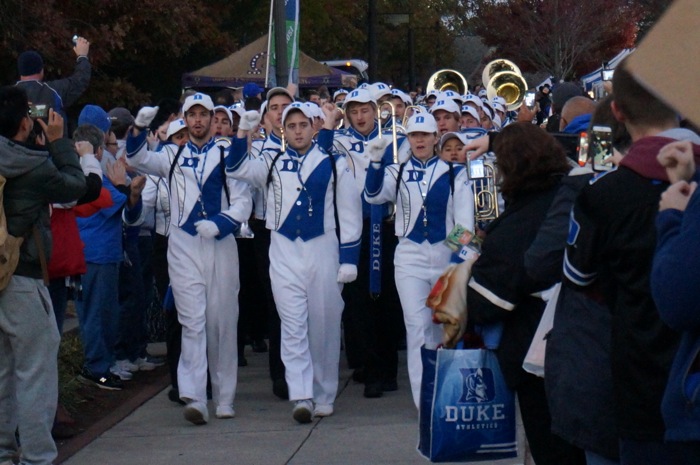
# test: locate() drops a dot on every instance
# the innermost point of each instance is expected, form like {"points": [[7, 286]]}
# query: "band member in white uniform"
{"points": [[432, 196], [307, 189], [206, 208]]}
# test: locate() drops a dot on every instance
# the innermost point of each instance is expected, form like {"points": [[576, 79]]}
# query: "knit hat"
{"points": [[92, 114], [29, 63]]}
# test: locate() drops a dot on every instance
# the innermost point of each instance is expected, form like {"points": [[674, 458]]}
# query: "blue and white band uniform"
{"points": [[273, 145], [305, 256], [427, 208], [203, 272]]}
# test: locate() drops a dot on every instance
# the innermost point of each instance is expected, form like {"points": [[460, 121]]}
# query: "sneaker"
{"points": [[196, 412], [302, 411], [126, 365], [107, 382], [225, 411], [156, 360], [124, 375], [323, 410], [142, 364]]}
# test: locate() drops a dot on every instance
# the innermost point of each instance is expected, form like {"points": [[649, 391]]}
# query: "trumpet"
{"points": [[503, 78], [392, 115], [342, 120]]}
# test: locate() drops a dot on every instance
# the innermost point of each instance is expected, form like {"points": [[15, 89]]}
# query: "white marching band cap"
{"points": [[451, 135], [238, 109], [225, 110], [500, 100], [340, 92], [359, 96], [421, 122], [298, 106], [470, 111], [402, 95], [447, 105], [498, 106], [497, 122], [379, 90], [451, 95], [175, 126], [315, 110], [198, 99], [474, 99]]}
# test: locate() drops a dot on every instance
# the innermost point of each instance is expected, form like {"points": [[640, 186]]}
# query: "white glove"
{"points": [[377, 147], [249, 120], [347, 273], [207, 229], [145, 116]]}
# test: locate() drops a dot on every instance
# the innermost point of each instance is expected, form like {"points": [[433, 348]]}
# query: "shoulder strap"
{"points": [[174, 164], [398, 180], [272, 166], [222, 170], [451, 169], [335, 202]]}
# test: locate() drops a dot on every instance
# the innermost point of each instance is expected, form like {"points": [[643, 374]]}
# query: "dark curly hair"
{"points": [[528, 160]]}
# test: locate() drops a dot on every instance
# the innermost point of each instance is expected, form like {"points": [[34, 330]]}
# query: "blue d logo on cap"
{"points": [[355, 93], [420, 119], [440, 102], [197, 97]]}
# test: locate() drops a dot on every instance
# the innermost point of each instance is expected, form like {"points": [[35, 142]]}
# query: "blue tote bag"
{"points": [[467, 413]]}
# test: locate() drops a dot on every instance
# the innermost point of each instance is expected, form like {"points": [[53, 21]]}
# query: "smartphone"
{"points": [[601, 149], [38, 111], [582, 149], [530, 99], [607, 74], [476, 169]]}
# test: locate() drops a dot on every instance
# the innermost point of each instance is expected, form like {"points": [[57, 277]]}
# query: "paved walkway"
{"points": [[362, 431]]}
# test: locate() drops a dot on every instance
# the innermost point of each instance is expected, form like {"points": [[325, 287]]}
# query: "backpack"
{"points": [[9, 245]]}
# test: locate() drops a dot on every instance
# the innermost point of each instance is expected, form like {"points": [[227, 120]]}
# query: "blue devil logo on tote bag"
{"points": [[467, 412]]}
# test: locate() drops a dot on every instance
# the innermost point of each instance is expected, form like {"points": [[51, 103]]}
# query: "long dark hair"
{"points": [[529, 160]]}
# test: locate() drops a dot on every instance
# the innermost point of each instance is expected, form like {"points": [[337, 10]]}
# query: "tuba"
{"points": [[503, 78], [447, 79]]}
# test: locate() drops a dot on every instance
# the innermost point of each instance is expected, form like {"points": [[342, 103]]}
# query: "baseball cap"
{"points": [[278, 91], [174, 127], [450, 94], [447, 105], [402, 95], [474, 99], [499, 99], [238, 109], [482, 93], [251, 90], [121, 116], [498, 106], [497, 122], [470, 111], [379, 90], [225, 110], [298, 106], [358, 96], [198, 99], [29, 63], [340, 92], [450, 135], [421, 122], [92, 114], [488, 109], [315, 110]]}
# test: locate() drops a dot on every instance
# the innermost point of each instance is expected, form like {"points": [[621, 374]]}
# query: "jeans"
{"points": [[98, 314], [132, 319]]}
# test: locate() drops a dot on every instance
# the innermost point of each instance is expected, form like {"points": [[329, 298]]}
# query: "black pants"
{"points": [[546, 447], [373, 327]]}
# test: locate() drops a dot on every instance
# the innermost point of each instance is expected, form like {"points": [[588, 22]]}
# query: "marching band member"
{"points": [[307, 189], [447, 115], [400, 100], [431, 98], [450, 147], [221, 122], [371, 302], [339, 96], [431, 196], [206, 209], [470, 118]]}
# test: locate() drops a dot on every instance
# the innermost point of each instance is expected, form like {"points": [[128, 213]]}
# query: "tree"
{"points": [[564, 37]]}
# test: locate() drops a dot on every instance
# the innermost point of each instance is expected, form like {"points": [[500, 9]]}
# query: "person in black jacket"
{"points": [[28, 332], [531, 164]]}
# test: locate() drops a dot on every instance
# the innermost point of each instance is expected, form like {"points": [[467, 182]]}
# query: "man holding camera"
{"points": [[28, 333], [61, 93]]}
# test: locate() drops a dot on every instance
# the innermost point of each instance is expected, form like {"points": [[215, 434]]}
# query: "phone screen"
{"points": [[530, 99], [476, 169], [601, 148]]}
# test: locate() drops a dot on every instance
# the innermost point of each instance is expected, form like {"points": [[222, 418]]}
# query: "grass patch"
{"points": [[70, 363]]}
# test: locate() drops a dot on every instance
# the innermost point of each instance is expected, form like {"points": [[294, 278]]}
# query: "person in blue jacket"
{"points": [[675, 282]]}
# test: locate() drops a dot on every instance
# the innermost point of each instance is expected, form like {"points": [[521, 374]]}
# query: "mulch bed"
{"points": [[99, 410]]}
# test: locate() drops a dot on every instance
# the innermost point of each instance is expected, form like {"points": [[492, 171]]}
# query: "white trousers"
{"points": [[205, 282], [307, 295], [417, 269]]}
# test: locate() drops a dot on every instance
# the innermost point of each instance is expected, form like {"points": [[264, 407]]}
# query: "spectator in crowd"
{"points": [[58, 94], [252, 96], [544, 102], [531, 165], [28, 332], [576, 115], [611, 242], [674, 285], [560, 95]]}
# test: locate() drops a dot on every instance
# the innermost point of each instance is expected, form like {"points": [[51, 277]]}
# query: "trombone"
{"points": [[503, 78], [383, 114], [414, 110]]}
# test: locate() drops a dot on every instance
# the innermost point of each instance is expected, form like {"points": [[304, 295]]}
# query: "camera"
{"points": [[476, 169]]}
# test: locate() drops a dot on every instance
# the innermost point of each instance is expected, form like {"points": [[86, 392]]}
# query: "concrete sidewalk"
{"points": [[362, 431]]}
